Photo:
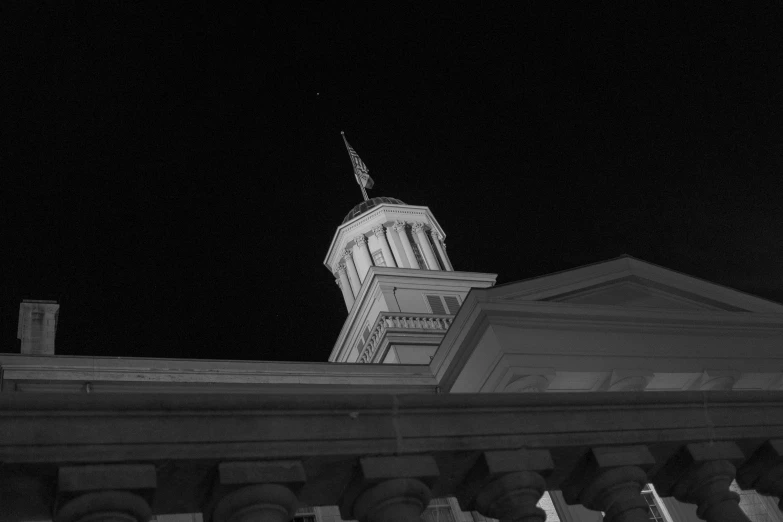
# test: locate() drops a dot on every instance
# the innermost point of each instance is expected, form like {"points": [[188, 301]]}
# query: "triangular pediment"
{"points": [[631, 283], [638, 293]]}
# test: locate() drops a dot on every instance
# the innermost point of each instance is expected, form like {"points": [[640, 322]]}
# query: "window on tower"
{"points": [[443, 304]]}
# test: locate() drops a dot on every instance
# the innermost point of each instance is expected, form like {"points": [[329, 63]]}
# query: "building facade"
{"points": [[464, 394]]}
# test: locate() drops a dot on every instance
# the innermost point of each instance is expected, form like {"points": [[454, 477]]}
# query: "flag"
{"points": [[360, 170]]}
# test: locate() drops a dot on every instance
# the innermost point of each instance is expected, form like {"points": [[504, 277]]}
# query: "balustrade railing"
{"points": [[401, 321]]}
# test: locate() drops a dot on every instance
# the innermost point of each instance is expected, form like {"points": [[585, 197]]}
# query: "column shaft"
{"points": [[353, 275], [513, 498], [617, 492], [399, 226], [441, 248], [380, 233], [345, 286], [707, 486], [429, 255], [363, 261], [399, 258]]}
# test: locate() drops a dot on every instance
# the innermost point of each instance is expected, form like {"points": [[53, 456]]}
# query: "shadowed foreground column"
{"points": [[764, 471], [610, 479], [259, 503], [507, 485], [105, 493], [701, 474], [390, 489], [256, 491]]}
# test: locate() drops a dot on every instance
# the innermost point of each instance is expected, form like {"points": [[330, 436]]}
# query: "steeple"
{"points": [[399, 285]]}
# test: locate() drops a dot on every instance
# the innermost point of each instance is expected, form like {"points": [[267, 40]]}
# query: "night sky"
{"points": [[173, 174]]}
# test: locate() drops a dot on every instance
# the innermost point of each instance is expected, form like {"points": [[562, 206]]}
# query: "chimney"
{"points": [[37, 326]]}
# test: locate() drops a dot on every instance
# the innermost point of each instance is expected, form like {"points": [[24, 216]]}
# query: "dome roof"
{"points": [[364, 206]]}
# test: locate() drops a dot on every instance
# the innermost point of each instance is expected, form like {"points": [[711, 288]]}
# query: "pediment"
{"points": [[638, 293], [631, 283]]}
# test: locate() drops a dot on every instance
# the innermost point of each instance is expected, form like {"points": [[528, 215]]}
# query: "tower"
{"points": [[399, 286]]}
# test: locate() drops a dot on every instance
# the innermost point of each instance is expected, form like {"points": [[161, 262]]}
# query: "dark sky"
{"points": [[174, 175]]}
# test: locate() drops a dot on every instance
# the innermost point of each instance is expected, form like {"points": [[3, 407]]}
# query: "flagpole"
{"points": [[348, 147]]}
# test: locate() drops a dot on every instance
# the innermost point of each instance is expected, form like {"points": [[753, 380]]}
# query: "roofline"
{"points": [[633, 259]]}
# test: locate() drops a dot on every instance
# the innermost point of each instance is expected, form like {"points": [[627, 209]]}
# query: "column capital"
{"points": [[379, 231], [255, 491], [417, 227], [360, 240], [348, 252], [340, 269], [396, 499], [764, 470], [439, 236], [399, 226], [610, 479], [507, 485], [702, 474], [111, 492], [259, 502], [105, 506], [389, 488]]}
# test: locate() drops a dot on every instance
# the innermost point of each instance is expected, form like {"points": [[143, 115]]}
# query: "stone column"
{"points": [[701, 474], [345, 286], [256, 503], [364, 261], [389, 489], [513, 498], [104, 493], [380, 233], [105, 506], [708, 488], [353, 275], [399, 227], [763, 471], [398, 256], [429, 255], [611, 480], [396, 500], [507, 485], [440, 246], [255, 491]]}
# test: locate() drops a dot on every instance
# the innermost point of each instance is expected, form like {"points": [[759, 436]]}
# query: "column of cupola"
{"points": [[388, 257], [362, 256], [397, 248], [440, 245], [400, 228], [345, 286], [424, 243]]}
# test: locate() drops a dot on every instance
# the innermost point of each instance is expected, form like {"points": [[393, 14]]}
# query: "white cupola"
{"points": [[384, 232]]}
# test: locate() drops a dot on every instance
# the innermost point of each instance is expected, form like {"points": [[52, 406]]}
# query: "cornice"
{"points": [[564, 282], [479, 311]]}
